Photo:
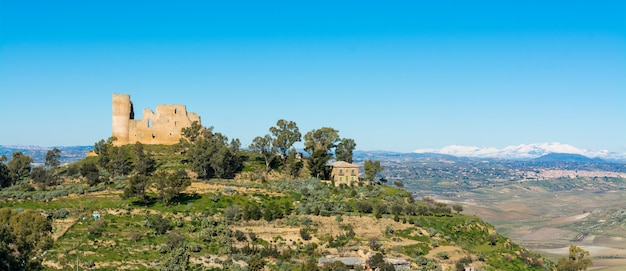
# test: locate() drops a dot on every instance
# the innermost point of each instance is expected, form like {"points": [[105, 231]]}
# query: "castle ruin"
{"points": [[161, 127]]}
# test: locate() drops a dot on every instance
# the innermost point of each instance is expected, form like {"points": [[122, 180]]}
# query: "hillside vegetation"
{"points": [[254, 221], [206, 204]]}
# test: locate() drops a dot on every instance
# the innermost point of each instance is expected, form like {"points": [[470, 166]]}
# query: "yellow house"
{"points": [[344, 172]]}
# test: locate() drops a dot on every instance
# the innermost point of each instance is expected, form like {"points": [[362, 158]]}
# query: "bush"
{"points": [[61, 213], [240, 236], [159, 224], [95, 228], [304, 233]]}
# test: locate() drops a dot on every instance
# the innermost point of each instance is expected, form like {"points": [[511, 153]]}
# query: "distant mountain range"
{"points": [[525, 152], [544, 152]]}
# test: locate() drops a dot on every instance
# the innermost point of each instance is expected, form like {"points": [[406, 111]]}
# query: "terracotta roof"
{"points": [[343, 164]]}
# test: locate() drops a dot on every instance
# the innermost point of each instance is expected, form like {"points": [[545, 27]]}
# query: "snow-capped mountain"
{"points": [[523, 151]]}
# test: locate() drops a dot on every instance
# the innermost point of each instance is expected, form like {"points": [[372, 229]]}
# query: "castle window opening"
{"points": [[153, 135], [149, 123], [141, 135], [175, 110]]}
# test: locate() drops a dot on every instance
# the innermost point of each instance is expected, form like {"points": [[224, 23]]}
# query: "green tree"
{"points": [[345, 149], [53, 158], [317, 163], [263, 144], [324, 139], [19, 166], [578, 259], [142, 160], [458, 208], [89, 171], [23, 237], [104, 151], [5, 175], [285, 133], [120, 162], [209, 154], [177, 259], [371, 168], [293, 163], [377, 262], [42, 177], [137, 188], [169, 185]]}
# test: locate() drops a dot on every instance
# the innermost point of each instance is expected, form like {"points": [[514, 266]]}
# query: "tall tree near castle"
{"points": [[142, 160], [209, 154], [285, 133], [344, 150]]}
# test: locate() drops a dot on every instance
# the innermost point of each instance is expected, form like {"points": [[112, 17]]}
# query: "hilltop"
{"points": [[254, 221]]}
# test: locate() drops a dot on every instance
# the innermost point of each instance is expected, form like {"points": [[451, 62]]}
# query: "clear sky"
{"points": [[392, 75]]}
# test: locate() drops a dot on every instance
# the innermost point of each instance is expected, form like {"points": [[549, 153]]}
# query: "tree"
{"points": [[137, 188], [120, 161], [23, 237], [285, 133], [143, 161], [19, 166], [104, 151], [53, 158], [264, 145], [170, 184], [209, 154], [42, 177], [371, 168], [5, 175], [345, 149], [377, 262], [457, 208], [89, 171], [317, 163], [324, 139], [578, 259], [294, 164]]}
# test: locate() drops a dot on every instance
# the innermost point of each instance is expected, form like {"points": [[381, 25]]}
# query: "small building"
{"points": [[344, 173], [350, 262]]}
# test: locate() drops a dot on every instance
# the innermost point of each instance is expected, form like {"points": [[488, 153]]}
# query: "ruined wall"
{"points": [[162, 126]]}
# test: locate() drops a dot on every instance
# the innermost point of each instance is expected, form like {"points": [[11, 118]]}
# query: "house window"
{"points": [[340, 171], [353, 172]]}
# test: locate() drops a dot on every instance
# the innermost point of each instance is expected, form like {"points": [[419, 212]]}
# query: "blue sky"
{"points": [[393, 75]]}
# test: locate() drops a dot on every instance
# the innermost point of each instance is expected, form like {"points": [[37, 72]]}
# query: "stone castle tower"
{"points": [[162, 127]]}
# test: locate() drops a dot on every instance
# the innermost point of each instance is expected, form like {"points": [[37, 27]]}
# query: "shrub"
{"points": [[443, 255], [240, 236], [304, 233], [159, 224], [61, 213]]}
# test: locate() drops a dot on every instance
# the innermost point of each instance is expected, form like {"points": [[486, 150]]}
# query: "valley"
{"points": [[543, 205]]}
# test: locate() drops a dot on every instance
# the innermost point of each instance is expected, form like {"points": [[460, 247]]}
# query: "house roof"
{"points": [[345, 260], [343, 164]]}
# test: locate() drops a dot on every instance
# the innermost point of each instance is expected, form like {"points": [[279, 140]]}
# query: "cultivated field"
{"points": [[548, 220]]}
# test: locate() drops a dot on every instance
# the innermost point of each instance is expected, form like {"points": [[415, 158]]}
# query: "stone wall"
{"points": [[162, 126]]}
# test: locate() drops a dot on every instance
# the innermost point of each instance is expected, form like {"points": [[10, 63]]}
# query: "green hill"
{"points": [[251, 222]]}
